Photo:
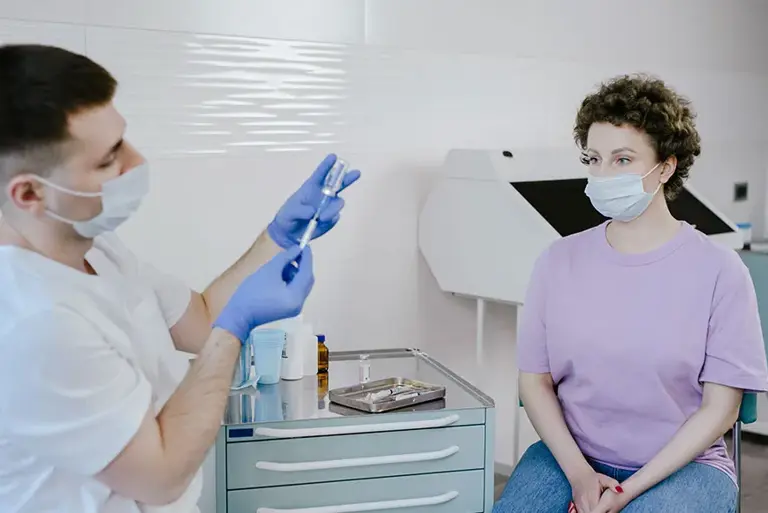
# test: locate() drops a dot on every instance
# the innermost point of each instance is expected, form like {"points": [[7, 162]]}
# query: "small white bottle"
{"points": [[293, 353], [292, 395], [309, 342]]}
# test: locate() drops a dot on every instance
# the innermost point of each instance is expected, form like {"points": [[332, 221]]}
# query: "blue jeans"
{"points": [[539, 486]]}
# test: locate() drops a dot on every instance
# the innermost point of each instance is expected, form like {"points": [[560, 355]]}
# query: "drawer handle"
{"points": [[357, 462], [370, 506], [354, 429]]}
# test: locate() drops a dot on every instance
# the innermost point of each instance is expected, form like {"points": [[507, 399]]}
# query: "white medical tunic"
{"points": [[82, 360]]}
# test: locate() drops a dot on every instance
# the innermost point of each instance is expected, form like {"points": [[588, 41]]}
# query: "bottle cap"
{"points": [[321, 338]]}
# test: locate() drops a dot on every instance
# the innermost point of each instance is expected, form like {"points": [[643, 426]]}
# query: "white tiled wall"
{"points": [[235, 102], [68, 11], [71, 37], [715, 34], [308, 20]]}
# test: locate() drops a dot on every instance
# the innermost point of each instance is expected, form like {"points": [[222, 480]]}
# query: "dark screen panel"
{"points": [[565, 206], [687, 208]]}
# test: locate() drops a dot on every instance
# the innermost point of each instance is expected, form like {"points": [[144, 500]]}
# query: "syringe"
{"points": [[312, 226], [333, 182], [331, 187]]}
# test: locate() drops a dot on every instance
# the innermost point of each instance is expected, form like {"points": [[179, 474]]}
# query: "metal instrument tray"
{"points": [[386, 394]]}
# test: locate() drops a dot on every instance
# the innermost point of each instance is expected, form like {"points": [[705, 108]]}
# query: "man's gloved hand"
{"points": [[292, 218], [264, 297]]}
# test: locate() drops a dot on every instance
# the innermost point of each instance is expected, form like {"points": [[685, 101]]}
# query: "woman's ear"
{"points": [[668, 168]]}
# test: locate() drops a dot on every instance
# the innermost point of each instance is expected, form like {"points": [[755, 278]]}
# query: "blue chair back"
{"points": [[757, 263]]}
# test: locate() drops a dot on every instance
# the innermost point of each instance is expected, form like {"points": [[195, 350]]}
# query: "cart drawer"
{"points": [[339, 458], [456, 492]]}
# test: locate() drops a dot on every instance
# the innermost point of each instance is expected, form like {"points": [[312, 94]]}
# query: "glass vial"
{"points": [[365, 369], [322, 355]]}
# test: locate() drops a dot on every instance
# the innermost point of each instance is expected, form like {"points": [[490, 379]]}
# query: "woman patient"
{"points": [[638, 337]]}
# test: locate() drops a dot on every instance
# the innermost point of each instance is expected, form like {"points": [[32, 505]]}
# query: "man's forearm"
{"points": [[698, 434], [164, 455], [546, 415], [217, 294], [192, 331], [192, 416]]}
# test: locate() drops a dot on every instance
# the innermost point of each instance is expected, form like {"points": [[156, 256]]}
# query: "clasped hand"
{"points": [[610, 502], [596, 493]]}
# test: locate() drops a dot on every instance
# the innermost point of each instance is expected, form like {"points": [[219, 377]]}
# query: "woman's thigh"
{"points": [[537, 485], [696, 488]]}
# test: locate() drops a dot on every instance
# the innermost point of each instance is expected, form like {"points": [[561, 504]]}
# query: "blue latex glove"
{"points": [[264, 296], [292, 218]]}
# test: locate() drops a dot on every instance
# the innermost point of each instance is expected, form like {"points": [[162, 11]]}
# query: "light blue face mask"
{"points": [[621, 197], [120, 198]]}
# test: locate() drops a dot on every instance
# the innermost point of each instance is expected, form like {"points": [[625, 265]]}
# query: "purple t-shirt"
{"points": [[630, 338]]}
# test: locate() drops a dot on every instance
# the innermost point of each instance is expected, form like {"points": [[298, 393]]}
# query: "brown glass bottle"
{"points": [[322, 389], [322, 355]]}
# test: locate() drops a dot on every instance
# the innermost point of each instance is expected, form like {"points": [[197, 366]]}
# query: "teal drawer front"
{"points": [[383, 422], [456, 492], [339, 458]]}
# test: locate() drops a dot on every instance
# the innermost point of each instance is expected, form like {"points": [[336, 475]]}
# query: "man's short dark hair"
{"points": [[40, 88]]}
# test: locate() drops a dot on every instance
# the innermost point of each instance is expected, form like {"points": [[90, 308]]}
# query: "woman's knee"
{"points": [[537, 485], [696, 488]]}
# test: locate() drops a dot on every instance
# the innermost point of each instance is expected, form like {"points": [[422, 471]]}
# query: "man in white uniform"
{"points": [[99, 412]]}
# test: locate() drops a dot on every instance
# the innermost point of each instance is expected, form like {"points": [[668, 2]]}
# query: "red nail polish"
{"points": [[619, 489]]}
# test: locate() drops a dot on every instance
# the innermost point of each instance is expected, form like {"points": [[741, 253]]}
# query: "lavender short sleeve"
{"points": [[735, 352], [532, 355]]}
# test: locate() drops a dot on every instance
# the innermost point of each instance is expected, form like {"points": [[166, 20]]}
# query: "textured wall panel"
{"points": [[336, 21], [188, 94]]}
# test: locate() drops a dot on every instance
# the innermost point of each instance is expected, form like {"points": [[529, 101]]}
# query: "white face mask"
{"points": [[120, 198], [621, 197]]}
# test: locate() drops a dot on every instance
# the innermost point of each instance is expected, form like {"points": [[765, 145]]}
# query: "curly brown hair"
{"points": [[647, 104]]}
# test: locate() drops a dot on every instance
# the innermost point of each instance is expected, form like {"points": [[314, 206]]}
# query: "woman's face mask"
{"points": [[120, 198], [620, 197]]}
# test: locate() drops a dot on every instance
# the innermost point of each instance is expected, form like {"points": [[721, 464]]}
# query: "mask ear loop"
{"points": [[651, 171], [54, 215], [648, 173], [68, 191], [58, 187]]}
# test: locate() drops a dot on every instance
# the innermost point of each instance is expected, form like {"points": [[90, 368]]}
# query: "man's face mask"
{"points": [[120, 198]]}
